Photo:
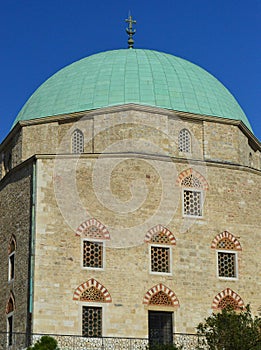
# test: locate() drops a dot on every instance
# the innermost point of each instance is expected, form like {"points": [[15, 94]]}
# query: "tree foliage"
{"points": [[232, 330], [45, 343]]}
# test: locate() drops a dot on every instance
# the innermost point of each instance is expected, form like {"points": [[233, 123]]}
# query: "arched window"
{"points": [[10, 307], [93, 234], [160, 241], [184, 141], [227, 298], [226, 246], [11, 258], [193, 185], [92, 292], [77, 141]]}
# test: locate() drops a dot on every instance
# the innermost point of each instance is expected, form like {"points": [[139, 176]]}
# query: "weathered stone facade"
{"points": [[16, 218], [129, 179]]}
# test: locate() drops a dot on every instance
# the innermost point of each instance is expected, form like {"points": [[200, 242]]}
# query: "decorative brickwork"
{"points": [[87, 291], [227, 298], [191, 178], [226, 240], [10, 306], [92, 228], [160, 235], [161, 295]]}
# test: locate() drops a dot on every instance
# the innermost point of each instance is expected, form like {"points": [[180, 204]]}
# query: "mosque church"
{"points": [[130, 201]]}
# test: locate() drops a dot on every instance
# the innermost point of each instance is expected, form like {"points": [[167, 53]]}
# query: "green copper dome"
{"points": [[143, 77]]}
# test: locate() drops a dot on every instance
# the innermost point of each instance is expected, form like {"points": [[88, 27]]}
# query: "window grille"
{"points": [[91, 321], [160, 259], [226, 264], [184, 141], [160, 237], [192, 203], [92, 294], [226, 243], [77, 141], [191, 181], [161, 298], [228, 301], [92, 254]]}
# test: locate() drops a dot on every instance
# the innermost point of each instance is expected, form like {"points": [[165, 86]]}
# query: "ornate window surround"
{"points": [[93, 230], [198, 185], [168, 241], [154, 291], [236, 247], [227, 293]]}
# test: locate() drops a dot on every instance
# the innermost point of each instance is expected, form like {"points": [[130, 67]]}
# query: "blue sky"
{"points": [[40, 37]]}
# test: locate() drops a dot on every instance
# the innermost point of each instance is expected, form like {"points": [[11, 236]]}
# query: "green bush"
{"points": [[45, 343], [231, 330]]}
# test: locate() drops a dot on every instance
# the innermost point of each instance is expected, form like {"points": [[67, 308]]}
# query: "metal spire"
{"points": [[130, 31]]}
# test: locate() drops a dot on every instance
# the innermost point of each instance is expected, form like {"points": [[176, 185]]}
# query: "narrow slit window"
{"points": [[11, 259]]}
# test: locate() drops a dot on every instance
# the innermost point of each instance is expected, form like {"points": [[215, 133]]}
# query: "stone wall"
{"points": [[229, 206], [15, 202], [129, 180], [152, 130]]}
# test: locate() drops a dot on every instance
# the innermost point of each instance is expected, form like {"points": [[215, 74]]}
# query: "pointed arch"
{"points": [[161, 295], [226, 236], [92, 290], [11, 257], [10, 306], [92, 228], [160, 234], [192, 178], [227, 298], [12, 244]]}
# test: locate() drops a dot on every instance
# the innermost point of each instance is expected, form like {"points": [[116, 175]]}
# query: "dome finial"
{"points": [[130, 31]]}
